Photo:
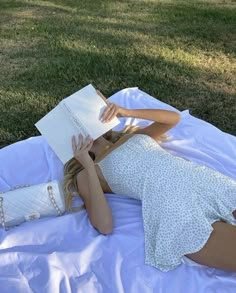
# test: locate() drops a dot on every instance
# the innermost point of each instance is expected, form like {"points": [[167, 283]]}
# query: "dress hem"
{"points": [[166, 268]]}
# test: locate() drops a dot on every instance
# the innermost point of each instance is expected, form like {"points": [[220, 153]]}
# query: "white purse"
{"points": [[26, 203]]}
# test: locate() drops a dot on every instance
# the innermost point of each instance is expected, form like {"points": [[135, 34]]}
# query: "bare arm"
{"points": [[96, 204], [164, 120], [157, 115], [90, 188]]}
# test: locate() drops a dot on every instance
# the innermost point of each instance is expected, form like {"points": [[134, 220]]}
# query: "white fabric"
{"points": [[66, 254]]}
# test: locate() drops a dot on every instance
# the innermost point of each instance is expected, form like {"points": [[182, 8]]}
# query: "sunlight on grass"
{"points": [[182, 52]]}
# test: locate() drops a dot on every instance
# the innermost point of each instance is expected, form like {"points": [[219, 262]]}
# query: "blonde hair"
{"points": [[73, 167]]}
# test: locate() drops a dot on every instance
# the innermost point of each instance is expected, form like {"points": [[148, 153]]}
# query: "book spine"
{"points": [[78, 124]]}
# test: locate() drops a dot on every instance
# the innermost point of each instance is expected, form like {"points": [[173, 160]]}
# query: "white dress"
{"points": [[180, 198]]}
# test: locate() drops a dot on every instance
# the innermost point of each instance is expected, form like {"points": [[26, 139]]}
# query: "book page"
{"points": [[77, 123], [79, 113], [87, 107], [58, 129]]}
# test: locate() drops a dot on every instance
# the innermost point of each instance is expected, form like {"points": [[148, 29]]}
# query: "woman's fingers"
{"points": [[109, 113], [87, 142], [90, 144], [106, 111], [80, 141], [112, 114], [73, 144], [82, 144]]}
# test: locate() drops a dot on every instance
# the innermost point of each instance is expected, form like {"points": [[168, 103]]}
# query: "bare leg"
{"points": [[220, 249]]}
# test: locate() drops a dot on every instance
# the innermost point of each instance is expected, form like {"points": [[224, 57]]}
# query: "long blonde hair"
{"points": [[73, 167]]}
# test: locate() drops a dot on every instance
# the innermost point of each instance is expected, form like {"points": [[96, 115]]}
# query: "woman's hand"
{"points": [[81, 150], [112, 110]]}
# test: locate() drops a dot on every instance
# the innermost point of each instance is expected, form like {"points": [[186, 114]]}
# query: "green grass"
{"points": [[182, 52]]}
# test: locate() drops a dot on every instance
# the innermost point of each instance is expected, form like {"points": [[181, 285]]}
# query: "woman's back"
{"points": [[141, 158], [126, 167]]}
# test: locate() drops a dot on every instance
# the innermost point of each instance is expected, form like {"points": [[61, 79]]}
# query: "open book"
{"points": [[79, 113]]}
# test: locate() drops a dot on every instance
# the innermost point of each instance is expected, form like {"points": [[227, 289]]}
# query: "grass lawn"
{"points": [[182, 52]]}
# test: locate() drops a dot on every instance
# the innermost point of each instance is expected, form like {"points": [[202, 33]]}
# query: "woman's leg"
{"points": [[220, 249]]}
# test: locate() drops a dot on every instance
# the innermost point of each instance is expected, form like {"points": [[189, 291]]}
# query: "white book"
{"points": [[78, 113]]}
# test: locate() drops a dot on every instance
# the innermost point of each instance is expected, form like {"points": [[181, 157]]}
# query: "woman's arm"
{"points": [[90, 188], [164, 120], [157, 115], [96, 204]]}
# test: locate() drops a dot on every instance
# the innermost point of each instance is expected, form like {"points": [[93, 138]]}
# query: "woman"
{"points": [[187, 208]]}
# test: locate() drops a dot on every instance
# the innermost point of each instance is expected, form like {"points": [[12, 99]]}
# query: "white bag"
{"points": [[26, 203]]}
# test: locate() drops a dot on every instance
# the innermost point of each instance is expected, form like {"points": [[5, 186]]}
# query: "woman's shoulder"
{"points": [[118, 143]]}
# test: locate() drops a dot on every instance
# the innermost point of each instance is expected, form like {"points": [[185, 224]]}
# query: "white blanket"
{"points": [[66, 254]]}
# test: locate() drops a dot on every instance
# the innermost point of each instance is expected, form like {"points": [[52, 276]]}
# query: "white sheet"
{"points": [[66, 254]]}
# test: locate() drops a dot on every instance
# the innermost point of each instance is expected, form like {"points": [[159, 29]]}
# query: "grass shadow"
{"points": [[162, 47]]}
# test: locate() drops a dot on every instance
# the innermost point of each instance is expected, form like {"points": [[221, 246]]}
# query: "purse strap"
{"points": [[53, 201]]}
